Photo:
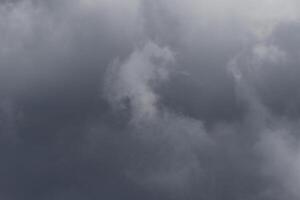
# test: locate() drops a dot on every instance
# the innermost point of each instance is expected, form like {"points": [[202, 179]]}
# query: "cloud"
{"points": [[130, 85], [149, 99], [133, 79]]}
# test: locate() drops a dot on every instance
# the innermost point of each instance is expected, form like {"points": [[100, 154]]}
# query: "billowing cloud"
{"points": [[149, 99]]}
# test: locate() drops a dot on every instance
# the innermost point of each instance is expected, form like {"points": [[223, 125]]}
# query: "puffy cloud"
{"points": [[133, 79]]}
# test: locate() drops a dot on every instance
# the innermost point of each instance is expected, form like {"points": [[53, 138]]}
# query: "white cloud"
{"points": [[133, 79]]}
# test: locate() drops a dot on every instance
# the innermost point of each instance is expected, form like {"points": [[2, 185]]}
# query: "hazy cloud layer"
{"points": [[149, 99]]}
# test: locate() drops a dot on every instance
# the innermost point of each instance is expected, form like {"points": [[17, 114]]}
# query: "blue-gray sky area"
{"points": [[149, 100]]}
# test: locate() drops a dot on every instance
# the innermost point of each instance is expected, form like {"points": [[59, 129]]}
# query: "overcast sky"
{"points": [[149, 100]]}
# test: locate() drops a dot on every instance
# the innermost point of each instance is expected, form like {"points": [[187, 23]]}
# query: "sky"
{"points": [[149, 100]]}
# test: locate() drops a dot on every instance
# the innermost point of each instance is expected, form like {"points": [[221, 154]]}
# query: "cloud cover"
{"points": [[140, 99]]}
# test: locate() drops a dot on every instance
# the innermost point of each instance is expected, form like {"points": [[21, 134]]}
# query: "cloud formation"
{"points": [[149, 99]]}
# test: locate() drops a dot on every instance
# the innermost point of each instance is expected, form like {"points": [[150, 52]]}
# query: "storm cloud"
{"points": [[149, 99]]}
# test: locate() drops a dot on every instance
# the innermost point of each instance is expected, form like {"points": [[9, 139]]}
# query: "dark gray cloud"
{"points": [[140, 99]]}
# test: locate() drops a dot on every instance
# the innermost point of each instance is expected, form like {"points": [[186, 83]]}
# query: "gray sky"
{"points": [[149, 99]]}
